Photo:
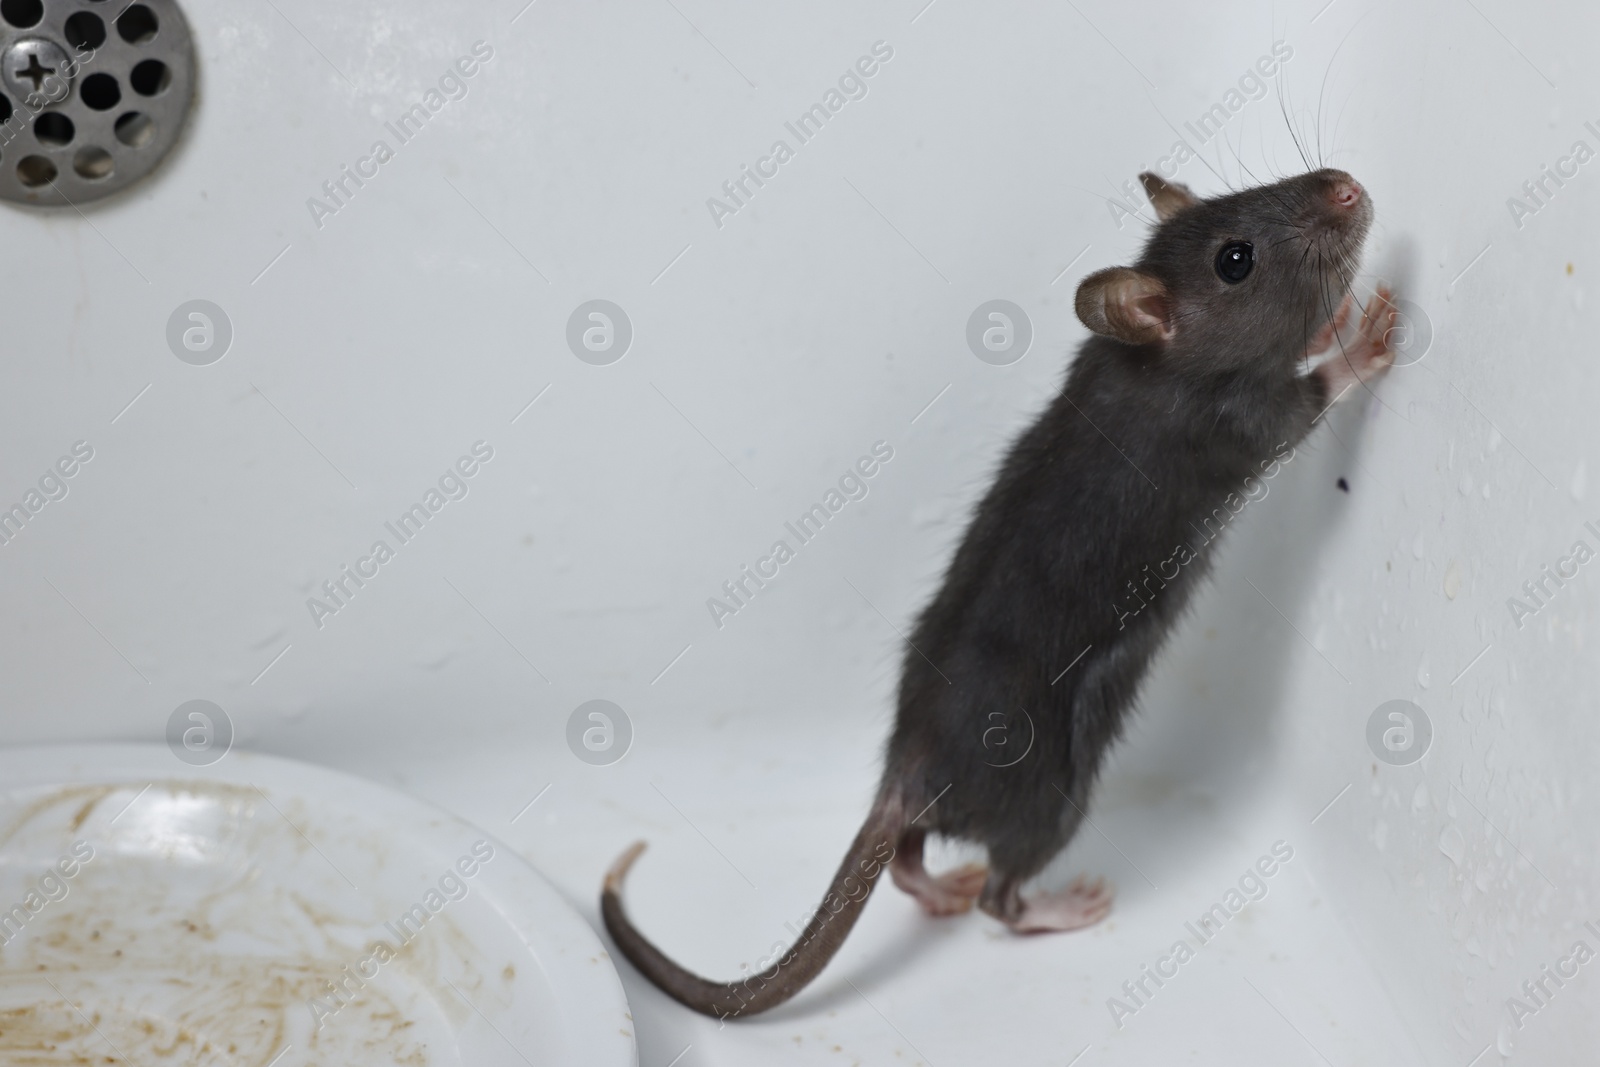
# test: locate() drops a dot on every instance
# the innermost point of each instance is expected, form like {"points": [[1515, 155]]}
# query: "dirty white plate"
{"points": [[264, 912]]}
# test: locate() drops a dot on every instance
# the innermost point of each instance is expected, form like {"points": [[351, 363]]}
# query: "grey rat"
{"points": [[1197, 379]]}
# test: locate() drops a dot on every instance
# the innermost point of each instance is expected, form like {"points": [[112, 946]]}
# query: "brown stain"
{"points": [[88, 795], [216, 967], [83, 812]]}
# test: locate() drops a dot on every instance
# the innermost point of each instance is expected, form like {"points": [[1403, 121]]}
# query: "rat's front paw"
{"points": [[1373, 354], [1324, 338], [1366, 356]]}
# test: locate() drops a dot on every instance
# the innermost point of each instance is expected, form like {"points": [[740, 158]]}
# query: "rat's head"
{"points": [[1236, 279]]}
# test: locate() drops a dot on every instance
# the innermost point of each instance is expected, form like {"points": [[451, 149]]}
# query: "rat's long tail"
{"points": [[872, 850]]}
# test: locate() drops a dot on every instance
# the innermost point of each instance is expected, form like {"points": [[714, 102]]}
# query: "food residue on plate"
{"points": [[201, 932]]}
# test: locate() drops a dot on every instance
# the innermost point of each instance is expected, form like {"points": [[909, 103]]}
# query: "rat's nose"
{"points": [[1344, 192]]}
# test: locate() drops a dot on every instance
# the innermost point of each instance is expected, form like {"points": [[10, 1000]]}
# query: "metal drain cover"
{"points": [[93, 93]]}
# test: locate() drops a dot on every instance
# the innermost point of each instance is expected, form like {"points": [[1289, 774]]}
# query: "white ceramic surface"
{"points": [[372, 347]]}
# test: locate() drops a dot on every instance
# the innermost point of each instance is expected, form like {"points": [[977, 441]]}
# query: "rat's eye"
{"points": [[1235, 260]]}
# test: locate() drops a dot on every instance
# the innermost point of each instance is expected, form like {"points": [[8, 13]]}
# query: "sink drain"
{"points": [[93, 93]]}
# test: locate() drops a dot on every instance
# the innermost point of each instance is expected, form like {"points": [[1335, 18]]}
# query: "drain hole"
{"points": [[150, 77], [21, 13], [53, 128], [135, 129], [5, 107], [100, 92], [35, 171], [85, 30], [93, 163], [136, 25]]}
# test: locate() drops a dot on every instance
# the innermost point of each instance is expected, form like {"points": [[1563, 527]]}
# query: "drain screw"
{"points": [[33, 63]]}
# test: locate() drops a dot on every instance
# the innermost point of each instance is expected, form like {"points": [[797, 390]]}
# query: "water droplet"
{"points": [[1416, 545], [1494, 439], [1424, 673], [1580, 480], [433, 655], [1503, 1043], [1419, 799], [1452, 844], [1452, 579]]}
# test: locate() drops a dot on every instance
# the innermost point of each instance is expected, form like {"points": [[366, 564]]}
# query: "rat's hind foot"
{"points": [[950, 893], [1080, 904], [1083, 903]]}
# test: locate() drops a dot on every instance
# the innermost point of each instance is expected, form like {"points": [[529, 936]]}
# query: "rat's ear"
{"points": [[1126, 304], [1168, 198]]}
